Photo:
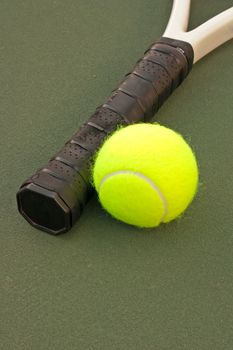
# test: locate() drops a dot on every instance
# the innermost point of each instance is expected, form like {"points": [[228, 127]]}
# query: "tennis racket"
{"points": [[54, 197]]}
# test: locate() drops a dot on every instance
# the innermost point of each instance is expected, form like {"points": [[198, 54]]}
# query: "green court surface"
{"points": [[106, 285]]}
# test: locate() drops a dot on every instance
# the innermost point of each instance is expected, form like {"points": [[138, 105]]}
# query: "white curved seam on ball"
{"points": [[143, 177]]}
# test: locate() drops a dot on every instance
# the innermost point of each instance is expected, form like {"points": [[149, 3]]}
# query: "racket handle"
{"points": [[54, 197]]}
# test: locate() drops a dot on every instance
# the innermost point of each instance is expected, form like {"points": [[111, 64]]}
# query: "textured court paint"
{"points": [[105, 285]]}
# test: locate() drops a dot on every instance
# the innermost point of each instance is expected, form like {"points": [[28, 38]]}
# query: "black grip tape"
{"points": [[54, 197]]}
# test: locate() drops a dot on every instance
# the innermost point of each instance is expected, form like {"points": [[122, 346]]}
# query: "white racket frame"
{"points": [[204, 38]]}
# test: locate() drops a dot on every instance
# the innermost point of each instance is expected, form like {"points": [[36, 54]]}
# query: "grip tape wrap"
{"points": [[53, 198]]}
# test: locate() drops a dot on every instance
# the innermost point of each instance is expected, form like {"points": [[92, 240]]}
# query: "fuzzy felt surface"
{"points": [[156, 153]]}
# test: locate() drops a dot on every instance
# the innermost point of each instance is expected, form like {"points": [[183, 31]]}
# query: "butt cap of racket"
{"points": [[44, 209], [50, 203]]}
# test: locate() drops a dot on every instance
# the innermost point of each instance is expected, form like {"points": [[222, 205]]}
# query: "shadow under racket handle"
{"points": [[53, 198]]}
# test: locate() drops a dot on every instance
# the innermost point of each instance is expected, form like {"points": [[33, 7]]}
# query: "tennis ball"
{"points": [[145, 174]]}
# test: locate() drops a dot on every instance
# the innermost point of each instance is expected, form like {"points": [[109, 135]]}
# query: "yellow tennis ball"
{"points": [[145, 174]]}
